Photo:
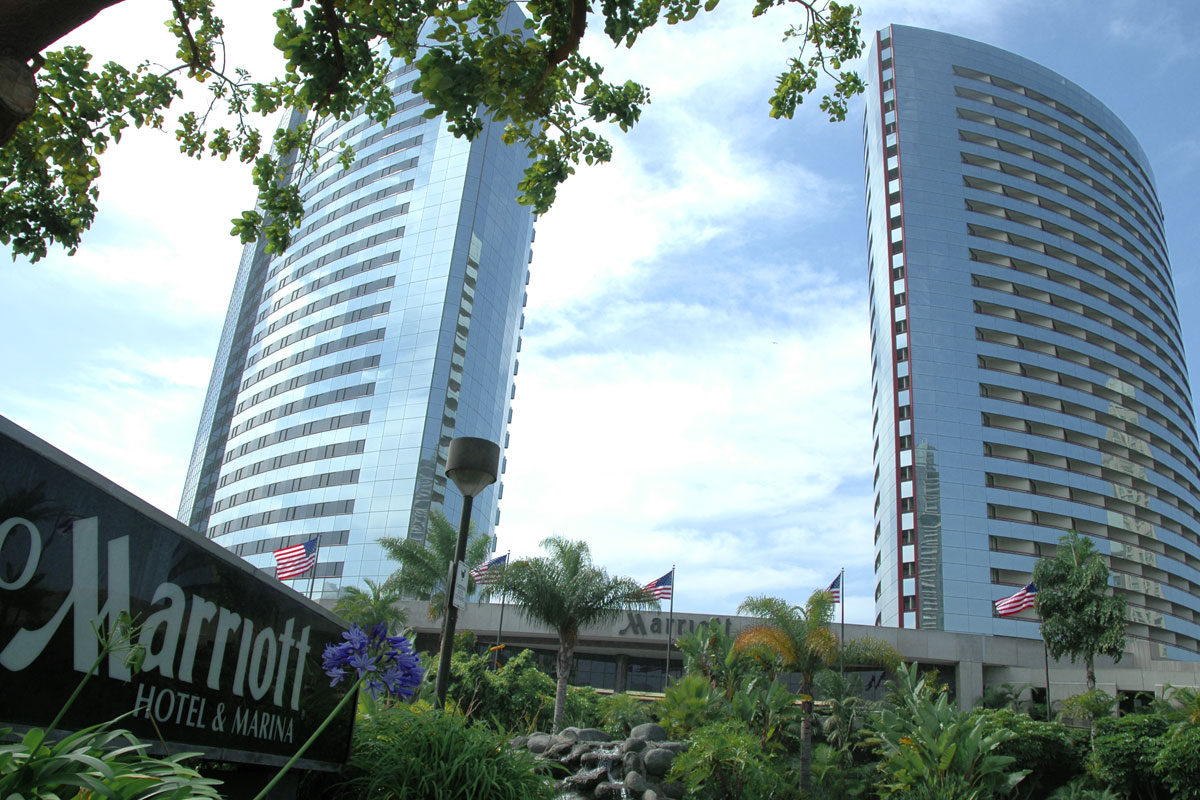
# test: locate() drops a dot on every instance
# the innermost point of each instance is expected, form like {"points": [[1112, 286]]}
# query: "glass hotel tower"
{"points": [[1028, 370], [347, 363]]}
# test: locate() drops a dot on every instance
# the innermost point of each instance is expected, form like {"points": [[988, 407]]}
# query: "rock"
{"points": [[593, 735], [634, 782], [597, 756], [650, 732], [559, 747], [658, 760], [570, 796], [674, 747], [633, 762], [632, 745], [574, 758], [517, 742], [649, 794], [587, 780], [673, 789], [538, 742], [570, 733], [609, 791]]}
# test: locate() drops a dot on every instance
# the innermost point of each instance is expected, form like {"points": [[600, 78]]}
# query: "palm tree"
{"points": [[801, 640], [424, 566], [371, 606], [565, 591]]}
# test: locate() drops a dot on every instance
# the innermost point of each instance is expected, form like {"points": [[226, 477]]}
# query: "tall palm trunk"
{"points": [[1090, 666], [806, 709], [566, 649]]}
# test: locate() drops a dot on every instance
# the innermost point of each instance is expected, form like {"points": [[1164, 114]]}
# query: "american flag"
{"points": [[1026, 598], [489, 571], [835, 589], [661, 588], [294, 561]]}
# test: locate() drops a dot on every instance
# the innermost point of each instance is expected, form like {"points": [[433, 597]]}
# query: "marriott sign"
{"points": [[232, 663]]}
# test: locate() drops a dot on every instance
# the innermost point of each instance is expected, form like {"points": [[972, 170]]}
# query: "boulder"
{"points": [[538, 742], [592, 735], [635, 782], [632, 745], [597, 757], [609, 791], [674, 747], [673, 789], [649, 794], [558, 747], [650, 732], [574, 758], [658, 760], [633, 762], [586, 781]]}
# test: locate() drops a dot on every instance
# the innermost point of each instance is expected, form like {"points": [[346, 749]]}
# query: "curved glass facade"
{"points": [[347, 364], [1027, 362]]}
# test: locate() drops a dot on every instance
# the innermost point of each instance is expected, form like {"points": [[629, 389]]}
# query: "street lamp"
{"points": [[473, 465]]}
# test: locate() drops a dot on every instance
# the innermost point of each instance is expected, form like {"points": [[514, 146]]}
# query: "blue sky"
{"points": [[697, 320]]}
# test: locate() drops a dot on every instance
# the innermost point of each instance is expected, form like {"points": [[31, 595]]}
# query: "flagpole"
{"points": [[312, 580], [503, 597], [670, 625], [842, 603]]}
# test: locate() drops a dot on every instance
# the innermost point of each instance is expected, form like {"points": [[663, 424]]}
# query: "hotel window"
{"points": [[910, 602]]}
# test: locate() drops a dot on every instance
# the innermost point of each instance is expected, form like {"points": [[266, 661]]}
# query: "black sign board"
{"points": [[233, 658]]}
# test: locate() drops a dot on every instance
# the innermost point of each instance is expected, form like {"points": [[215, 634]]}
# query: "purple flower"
{"points": [[387, 662]]}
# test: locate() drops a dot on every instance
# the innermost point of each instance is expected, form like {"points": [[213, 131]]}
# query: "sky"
{"points": [[696, 334]]}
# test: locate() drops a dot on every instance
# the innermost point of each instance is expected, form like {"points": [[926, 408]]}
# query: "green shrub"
{"points": [[405, 753], [516, 697], [1124, 753], [1178, 763], [725, 762], [1047, 749], [582, 709], [1080, 789]]}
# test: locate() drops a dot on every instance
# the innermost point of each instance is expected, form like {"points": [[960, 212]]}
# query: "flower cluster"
{"points": [[384, 663]]}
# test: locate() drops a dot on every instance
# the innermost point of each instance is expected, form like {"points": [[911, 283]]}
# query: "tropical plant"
{"points": [[690, 703], [709, 652], [931, 751], [424, 566], [837, 778], [621, 712], [370, 607], [1006, 695], [846, 708], [1180, 706], [415, 753], [799, 639], [566, 591], [1080, 618], [99, 760]]}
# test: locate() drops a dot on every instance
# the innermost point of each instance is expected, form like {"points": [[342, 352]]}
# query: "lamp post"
{"points": [[473, 465]]}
